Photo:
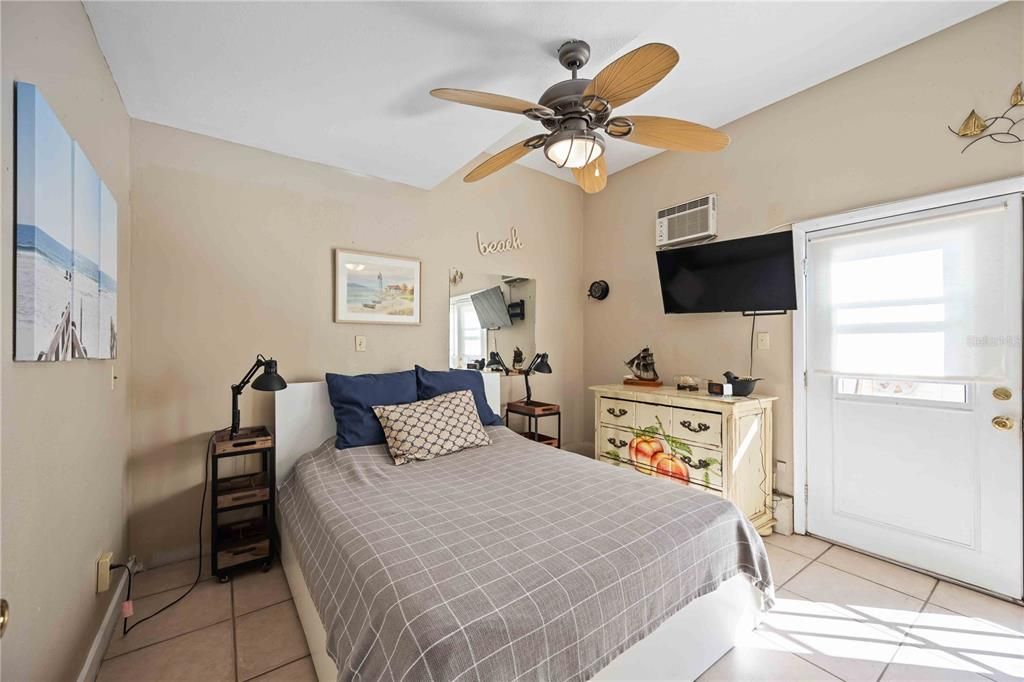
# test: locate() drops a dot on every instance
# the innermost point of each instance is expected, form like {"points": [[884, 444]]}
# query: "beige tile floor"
{"points": [[243, 630], [838, 615], [843, 615]]}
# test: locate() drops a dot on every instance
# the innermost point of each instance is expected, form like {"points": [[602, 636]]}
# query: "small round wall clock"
{"points": [[598, 290]]}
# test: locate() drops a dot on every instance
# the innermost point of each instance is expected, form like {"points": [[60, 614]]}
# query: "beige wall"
{"points": [[232, 255], [231, 252], [66, 434], [872, 135]]}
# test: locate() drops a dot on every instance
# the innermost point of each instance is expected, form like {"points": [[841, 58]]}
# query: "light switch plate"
{"points": [[763, 341], [360, 344]]}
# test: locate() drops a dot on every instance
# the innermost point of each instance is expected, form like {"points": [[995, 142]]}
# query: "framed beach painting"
{"points": [[65, 283], [376, 288]]}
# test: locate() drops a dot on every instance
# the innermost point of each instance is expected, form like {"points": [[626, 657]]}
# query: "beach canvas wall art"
{"points": [[376, 288], [66, 242]]}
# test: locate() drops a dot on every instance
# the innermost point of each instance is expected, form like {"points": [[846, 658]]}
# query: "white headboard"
{"points": [[304, 418]]}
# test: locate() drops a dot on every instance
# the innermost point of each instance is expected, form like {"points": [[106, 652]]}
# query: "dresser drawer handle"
{"points": [[245, 496], [700, 428], [617, 413], [617, 443]]}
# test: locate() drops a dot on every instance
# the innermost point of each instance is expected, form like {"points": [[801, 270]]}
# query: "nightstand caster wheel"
{"points": [[223, 578], [265, 566]]}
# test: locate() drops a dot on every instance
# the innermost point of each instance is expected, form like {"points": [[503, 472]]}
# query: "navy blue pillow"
{"points": [[430, 384], [352, 398]]}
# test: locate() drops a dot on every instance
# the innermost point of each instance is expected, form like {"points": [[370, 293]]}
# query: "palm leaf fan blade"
{"points": [[675, 135], [593, 177], [633, 74], [500, 160], [487, 100]]}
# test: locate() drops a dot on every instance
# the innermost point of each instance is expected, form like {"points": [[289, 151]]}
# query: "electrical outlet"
{"points": [[103, 572], [763, 341], [360, 344]]}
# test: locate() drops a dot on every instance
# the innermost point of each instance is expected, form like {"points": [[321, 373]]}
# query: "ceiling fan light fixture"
{"points": [[573, 148]]}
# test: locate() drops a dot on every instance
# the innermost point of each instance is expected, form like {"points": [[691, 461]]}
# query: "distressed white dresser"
{"points": [[721, 444]]}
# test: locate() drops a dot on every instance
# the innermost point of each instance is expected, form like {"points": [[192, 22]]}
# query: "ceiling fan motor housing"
{"points": [[566, 100]]}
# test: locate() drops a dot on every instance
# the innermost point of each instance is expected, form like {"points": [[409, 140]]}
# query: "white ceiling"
{"points": [[346, 83]]}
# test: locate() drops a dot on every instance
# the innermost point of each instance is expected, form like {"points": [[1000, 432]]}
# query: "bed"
{"points": [[510, 561]]}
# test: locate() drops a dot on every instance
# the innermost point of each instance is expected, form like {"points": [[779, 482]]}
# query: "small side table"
{"points": [[240, 538], [533, 411]]}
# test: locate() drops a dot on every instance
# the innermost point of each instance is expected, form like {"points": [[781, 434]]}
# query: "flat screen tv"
{"points": [[754, 274], [491, 309]]}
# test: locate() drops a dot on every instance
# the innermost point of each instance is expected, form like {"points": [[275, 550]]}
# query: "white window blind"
{"points": [[920, 296]]}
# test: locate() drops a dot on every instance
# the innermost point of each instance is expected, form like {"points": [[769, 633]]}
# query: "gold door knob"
{"points": [[5, 616], [1002, 423]]}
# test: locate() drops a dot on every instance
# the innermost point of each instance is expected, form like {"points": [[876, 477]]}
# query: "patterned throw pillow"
{"points": [[429, 428]]}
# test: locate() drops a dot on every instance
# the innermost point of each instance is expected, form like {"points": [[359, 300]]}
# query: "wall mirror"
{"points": [[487, 314]]}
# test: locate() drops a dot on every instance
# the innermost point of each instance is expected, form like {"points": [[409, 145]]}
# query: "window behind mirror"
{"points": [[467, 341]]}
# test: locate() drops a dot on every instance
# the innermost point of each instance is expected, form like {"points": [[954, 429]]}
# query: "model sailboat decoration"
{"points": [[642, 367]]}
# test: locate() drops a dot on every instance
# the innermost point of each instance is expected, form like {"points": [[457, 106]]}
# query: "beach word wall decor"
{"points": [[65, 284], [513, 243]]}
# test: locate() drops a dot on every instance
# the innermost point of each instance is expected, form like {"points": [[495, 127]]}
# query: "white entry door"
{"points": [[913, 337]]}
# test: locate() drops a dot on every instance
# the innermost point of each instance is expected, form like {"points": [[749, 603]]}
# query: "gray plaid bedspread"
{"points": [[505, 562]]}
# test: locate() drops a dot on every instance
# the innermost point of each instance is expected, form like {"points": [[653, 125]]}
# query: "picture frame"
{"points": [[66, 242], [376, 288]]}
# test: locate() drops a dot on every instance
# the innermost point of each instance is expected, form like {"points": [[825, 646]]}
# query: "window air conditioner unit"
{"points": [[687, 222]]}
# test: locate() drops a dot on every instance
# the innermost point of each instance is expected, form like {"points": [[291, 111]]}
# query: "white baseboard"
{"points": [[111, 618]]}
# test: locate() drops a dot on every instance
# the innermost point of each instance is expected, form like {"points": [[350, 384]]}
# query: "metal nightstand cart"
{"points": [[240, 537], [533, 411]]}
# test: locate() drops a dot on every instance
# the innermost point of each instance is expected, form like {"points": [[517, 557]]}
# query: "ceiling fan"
{"points": [[574, 110]]}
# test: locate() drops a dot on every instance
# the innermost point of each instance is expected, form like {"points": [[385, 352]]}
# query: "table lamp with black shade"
{"points": [[270, 380], [495, 363], [540, 365]]}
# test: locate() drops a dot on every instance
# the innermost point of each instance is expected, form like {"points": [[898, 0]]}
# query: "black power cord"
{"points": [[753, 321], [199, 567]]}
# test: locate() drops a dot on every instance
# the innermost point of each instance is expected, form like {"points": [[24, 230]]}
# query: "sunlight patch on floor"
{"points": [[935, 638]]}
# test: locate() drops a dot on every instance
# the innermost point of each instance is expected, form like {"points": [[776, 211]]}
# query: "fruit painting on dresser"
{"points": [[654, 452]]}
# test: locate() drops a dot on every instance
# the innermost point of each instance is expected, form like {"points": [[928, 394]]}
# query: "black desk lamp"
{"points": [[496, 363], [540, 365], [270, 380]]}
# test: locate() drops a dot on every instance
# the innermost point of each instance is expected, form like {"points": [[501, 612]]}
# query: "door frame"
{"points": [[801, 230]]}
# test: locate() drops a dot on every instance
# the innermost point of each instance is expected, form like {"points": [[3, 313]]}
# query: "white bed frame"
{"points": [[683, 647]]}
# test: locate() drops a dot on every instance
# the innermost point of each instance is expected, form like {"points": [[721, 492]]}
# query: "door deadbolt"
{"points": [[1002, 423], [5, 616], [1002, 393]]}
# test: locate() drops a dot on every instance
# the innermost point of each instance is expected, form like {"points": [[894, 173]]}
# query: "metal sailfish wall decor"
{"points": [[999, 128]]}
